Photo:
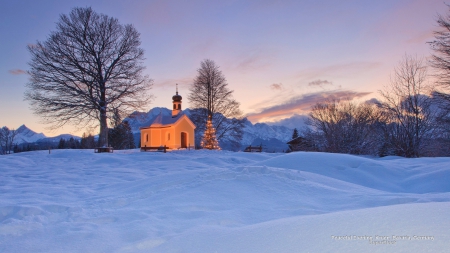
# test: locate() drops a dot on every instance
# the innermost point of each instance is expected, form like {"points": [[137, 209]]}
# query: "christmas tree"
{"points": [[209, 140]]}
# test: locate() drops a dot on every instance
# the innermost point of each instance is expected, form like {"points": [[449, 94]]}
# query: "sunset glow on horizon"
{"points": [[279, 57]]}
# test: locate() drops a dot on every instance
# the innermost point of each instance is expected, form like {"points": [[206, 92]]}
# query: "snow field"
{"points": [[219, 201]]}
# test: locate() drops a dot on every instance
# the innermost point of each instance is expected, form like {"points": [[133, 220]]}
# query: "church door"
{"points": [[183, 140]]}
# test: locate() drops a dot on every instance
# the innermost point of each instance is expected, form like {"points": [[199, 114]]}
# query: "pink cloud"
{"points": [[302, 104], [277, 86], [17, 71], [320, 83]]}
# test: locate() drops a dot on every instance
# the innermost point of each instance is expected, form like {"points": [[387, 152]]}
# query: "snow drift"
{"points": [[218, 201]]}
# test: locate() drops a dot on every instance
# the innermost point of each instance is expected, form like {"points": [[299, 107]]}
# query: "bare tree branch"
{"points": [[210, 96], [90, 65]]}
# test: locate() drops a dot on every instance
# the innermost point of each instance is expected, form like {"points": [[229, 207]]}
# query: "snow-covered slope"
{"points": [[219, 201]]}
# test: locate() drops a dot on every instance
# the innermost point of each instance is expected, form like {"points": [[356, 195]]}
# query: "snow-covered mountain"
{"points": [[265, 132], [254, 134], [57, 138], [26, 135], [140, 119]]}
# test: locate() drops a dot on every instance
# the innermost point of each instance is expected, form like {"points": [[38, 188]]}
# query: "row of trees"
{"points": [[408, 121]]}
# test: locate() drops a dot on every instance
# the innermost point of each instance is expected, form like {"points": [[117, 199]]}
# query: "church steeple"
{"points": [[176, 100]]}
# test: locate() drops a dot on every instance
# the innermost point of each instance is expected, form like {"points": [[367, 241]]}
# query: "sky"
{"points": [[279, 57]]}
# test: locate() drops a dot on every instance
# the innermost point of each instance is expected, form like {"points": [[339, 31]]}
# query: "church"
{"points": [[174, 132]]}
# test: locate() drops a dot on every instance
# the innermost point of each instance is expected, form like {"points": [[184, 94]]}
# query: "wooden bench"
{"points": [[160, 148], [103, 150], [253, 149]]}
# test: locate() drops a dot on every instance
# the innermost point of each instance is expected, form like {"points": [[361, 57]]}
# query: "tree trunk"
{"points": [[103, 137]]}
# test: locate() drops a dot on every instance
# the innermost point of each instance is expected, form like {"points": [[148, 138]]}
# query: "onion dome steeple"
{"points": [[176, 100]]}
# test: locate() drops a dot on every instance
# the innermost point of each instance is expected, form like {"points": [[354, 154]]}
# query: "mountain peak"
{"points": [[26, 135]]}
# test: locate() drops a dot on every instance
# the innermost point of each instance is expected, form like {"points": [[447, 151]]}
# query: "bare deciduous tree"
{"points": [[210, 96], [344, 127], [90, 65], [6, 140], [407, 106], [440, 60]]}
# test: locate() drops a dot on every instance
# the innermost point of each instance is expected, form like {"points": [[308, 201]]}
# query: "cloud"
{"points": [[320, 83], [301, 104], [277, 86], [17, 71]]}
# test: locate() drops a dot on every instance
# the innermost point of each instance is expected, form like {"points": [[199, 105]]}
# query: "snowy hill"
{"points": [[253, 133], [219, 201]]}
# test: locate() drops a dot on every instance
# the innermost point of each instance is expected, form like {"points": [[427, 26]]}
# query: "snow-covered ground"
{"points": [[218, 201]]}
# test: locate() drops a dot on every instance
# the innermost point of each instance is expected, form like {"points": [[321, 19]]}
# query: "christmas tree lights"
{"points": [[209, 140]]}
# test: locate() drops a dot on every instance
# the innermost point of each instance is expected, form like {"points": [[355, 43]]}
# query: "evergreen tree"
{"points": [[62, 144], [295, 134], [121, 136], [129, 143], [16, 149], [90, 141], [83, 141], [209, 140], [72, 143], [87, 142]]}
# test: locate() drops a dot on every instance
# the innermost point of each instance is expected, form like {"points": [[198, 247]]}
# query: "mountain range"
{"points": [[271, 136], [25, 135]]}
